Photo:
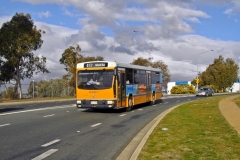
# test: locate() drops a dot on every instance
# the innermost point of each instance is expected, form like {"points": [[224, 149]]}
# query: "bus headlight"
{"points": [[78, 102], [110, 102]]}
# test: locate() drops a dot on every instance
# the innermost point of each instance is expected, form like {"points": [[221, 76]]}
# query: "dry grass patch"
{"points": [[196, 130]]}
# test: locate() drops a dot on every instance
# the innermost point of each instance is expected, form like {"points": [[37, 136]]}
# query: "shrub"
{"points": [[10, 93], [183, 89]]}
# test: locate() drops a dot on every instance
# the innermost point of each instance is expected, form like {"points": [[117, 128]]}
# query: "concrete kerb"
{"points": [[35, 101], [132, 150]]}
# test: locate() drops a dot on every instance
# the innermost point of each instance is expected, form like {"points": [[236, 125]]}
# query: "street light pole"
{"points": [[114, 39], [33, 88], [197, 63]]}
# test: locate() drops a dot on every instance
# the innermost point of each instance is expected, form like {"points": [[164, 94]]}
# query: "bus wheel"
{"points": [[153, 100], [130, 104]]}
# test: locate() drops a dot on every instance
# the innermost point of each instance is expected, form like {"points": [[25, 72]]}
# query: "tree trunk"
{"points": [[18, 85], [20, 89]]}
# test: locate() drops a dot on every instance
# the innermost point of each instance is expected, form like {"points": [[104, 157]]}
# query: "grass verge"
{"points": [[237, 101], [195, 130]]}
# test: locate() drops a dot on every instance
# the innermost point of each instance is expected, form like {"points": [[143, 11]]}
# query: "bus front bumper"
{"points": [[99, 104]]}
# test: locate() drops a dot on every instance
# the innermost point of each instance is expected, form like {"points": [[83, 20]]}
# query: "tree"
{"points": [[221, 74], [157, 64], [18, 39], [71, 57]]}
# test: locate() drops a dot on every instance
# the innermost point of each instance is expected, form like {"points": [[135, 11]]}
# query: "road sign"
{"points": [[197, 80]]}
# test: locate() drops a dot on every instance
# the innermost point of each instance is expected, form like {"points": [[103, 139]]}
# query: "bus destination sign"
{"points": [[95, 65]]}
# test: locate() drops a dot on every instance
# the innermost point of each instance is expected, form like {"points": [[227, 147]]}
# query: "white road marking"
{"points": [[33, 110], [46, 154], [49, 115], [50, 143], [4, 125], [140, 109], [165, 102], [122, 115], [96, 125]]}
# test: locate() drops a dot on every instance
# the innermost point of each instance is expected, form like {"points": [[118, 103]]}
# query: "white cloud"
{"points": [[162, 27], [68, 13], [44, 14]]}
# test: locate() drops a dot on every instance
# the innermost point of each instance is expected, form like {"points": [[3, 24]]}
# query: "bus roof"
{"points": [[107, 64]]}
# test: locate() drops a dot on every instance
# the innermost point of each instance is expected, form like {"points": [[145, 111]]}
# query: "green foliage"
{"points": [[183, 89], [71, 57], [157, 64], [18, 39], [10, 93], [221, 74]]}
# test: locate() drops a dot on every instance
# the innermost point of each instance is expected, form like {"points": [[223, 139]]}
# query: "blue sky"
{"points": [[173, 31]]}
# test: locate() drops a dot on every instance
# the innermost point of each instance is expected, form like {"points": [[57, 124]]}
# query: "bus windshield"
{"points": [[97, 79]]}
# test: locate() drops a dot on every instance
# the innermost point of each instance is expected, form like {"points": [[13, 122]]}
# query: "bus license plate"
{"points": [[93, 102]]}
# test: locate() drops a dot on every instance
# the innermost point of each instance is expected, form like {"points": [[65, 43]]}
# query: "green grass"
{"points": [[237, 101], [196, 130]]}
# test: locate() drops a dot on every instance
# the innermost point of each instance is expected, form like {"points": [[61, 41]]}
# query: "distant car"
{"points": [[206, 91]]}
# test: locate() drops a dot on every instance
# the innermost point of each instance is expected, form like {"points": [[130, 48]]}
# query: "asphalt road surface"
{"points": [[58, 130]]}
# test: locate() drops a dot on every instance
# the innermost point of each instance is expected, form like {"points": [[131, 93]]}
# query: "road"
{"points": [[59, 130]]}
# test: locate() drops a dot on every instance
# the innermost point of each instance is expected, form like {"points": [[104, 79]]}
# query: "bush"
{"points": [[183, 89], [10, 93]]}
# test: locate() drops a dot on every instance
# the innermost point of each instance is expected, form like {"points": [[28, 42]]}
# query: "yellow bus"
{"points": [[113, 85]]}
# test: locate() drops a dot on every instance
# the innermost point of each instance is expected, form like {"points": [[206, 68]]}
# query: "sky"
{"points": [[187, 35]]}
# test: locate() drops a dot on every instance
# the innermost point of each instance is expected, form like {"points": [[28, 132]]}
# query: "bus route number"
{"points": [[94, 65]]}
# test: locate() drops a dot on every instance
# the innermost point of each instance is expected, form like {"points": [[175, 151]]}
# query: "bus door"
{"points": [[121, 87], [148, 87]]}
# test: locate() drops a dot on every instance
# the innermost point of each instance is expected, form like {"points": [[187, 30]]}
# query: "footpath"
{"points": [[231, 111]]}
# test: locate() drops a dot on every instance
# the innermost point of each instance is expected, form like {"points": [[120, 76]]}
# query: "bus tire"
{"points": [[153, 102], [130, 104]]}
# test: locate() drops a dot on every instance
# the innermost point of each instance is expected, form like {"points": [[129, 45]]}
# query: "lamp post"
{"points": [[114, 39], [197, 79], [33, 88]]}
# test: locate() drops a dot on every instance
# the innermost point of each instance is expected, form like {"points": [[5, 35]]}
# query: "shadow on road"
{"points": [[2, 110], [117, 111]]}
